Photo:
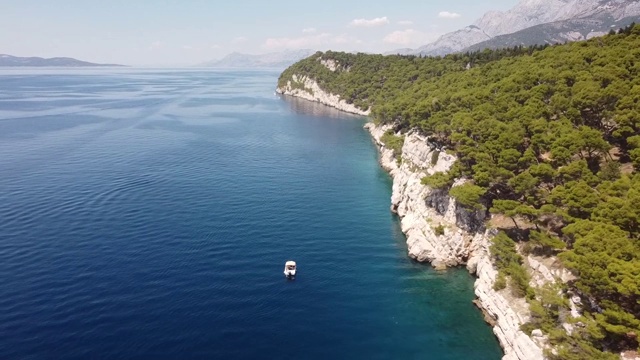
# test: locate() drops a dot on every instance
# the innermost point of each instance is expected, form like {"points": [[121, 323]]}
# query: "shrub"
{"points": [[509, 263], [519, 281], [393, 142], [437, 181], [468, 195], [500, 283]]}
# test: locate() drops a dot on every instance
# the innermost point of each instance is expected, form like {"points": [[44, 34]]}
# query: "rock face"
{"points": [[438, 229], [305, 88], [465, 240], [421, 209]]}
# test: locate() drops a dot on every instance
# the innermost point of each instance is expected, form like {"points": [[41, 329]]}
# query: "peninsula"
{"points": [[520, 164]]}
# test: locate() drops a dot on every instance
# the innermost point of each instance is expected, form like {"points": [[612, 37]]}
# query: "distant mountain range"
{"points": [[536, 22], [281, 59], [556, 32], [9, 60]]}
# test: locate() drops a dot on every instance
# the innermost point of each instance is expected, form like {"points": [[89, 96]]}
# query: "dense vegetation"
{"points": [[547, 135]]}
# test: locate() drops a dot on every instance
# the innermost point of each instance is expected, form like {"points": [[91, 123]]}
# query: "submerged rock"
{"points": [[438, 265]]}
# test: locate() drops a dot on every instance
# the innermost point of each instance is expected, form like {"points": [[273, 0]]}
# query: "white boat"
{"points": [[290, 269]]}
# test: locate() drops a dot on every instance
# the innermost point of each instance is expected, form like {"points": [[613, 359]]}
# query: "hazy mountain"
{"points": [[403, 51], [528, 13], [556, 32], [281, 59], [531, 13], [455, 41], [9, 60]]}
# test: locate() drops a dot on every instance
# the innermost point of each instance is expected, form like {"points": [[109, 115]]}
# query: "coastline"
{"points": [[464, 242], [309, 89]]}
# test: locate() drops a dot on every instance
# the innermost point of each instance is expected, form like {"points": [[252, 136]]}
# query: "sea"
{"points": [[148, 214]]}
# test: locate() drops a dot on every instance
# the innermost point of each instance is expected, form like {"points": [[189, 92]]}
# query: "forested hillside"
{"points": [[547, 136]]}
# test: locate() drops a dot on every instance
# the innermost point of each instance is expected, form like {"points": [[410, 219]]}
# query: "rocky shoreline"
{"points": [[465, 240], [461, 238], [309, 89]]}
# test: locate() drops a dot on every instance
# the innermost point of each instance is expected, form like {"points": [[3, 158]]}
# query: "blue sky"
{"points": [[164, 33]]}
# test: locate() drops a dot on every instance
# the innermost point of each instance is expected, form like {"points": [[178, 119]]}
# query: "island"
{"points": [[16, 61]]}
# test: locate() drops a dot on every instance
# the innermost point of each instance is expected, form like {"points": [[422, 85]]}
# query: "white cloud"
{"points": [[409, 37], [369, 22], [405, 22], [239, 40], [308, 41], [187, 47], [448, 15], [309, 30]]}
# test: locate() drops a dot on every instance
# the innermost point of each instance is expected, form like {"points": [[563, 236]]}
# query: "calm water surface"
{"points": [[149, 213]]}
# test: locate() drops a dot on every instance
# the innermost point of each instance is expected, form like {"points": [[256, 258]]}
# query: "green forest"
{"points": [[547, 135]]}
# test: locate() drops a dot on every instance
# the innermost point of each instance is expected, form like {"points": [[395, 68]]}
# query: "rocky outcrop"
{"points": [[420, 218], [442, 232], [307, 88], [334, 65]]}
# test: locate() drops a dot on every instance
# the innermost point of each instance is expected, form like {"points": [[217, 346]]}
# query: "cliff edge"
{"points": [[438, 229], [463, 239], [306, 88]]}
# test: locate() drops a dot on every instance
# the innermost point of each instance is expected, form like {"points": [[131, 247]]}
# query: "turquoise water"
{"points": [[149, 213]]}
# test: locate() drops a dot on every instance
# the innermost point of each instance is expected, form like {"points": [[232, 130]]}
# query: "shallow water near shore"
{"points": [[149, 213]]}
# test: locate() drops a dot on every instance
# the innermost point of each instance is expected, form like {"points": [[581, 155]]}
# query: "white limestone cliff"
{"points": [[306, 88], [465, 240]]}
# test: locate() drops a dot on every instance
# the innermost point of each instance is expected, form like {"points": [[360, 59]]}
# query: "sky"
{"points": [[188, 32]]}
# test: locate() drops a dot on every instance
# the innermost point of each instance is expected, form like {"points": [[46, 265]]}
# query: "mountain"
{"points": [[281, 59], [528, 13], [555, 32], [455, 41], [9, 60], [560, 14]]}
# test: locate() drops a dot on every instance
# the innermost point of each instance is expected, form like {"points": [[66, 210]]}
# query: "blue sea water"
{"points": [[149, 213]]}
